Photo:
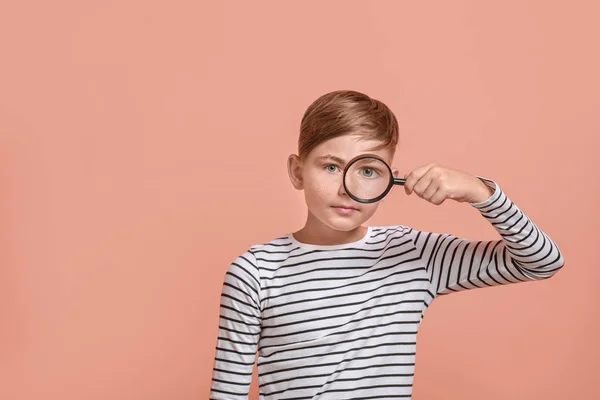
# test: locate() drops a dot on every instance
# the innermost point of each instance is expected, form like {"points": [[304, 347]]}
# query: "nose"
{"points": [[341, 189]]}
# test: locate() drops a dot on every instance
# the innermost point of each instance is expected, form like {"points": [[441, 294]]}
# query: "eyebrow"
{"points": [[331, 157]]}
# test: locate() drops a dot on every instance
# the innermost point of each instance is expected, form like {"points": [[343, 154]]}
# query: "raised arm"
{"points": [[523, 252]]}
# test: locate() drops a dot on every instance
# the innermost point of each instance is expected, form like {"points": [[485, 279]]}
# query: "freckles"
{"points": [[320, 188], [319, 193], [323, 184]]}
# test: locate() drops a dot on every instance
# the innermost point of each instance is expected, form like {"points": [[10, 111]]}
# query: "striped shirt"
{"points": [[340, 321]]}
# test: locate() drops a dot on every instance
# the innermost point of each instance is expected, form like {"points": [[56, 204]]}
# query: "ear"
{"points": [[395, 175], [294, 166]]}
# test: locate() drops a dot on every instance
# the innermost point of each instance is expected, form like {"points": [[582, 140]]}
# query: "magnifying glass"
{"points": [[368, 178]]}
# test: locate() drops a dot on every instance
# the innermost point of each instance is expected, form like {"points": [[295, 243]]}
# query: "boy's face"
{"points": [[320, 175]]}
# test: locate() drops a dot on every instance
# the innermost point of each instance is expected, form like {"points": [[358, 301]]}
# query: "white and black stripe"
{"points": [[340, 322]]}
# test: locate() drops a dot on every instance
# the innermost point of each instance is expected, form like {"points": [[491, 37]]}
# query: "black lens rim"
{"points": [[381, 196]]}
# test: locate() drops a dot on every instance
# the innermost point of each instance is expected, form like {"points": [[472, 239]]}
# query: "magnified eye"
{"points": [[369, 172]]}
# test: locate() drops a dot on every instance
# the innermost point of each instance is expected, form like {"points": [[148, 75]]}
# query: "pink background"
{"points": [[143, 147]]}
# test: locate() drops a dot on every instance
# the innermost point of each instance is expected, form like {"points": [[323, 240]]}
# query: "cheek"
{"points": [[319, 190], [370, 208], [367, 211], [316, 192]]}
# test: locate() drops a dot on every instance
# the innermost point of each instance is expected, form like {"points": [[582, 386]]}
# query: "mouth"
{"points": [[346, 208]]}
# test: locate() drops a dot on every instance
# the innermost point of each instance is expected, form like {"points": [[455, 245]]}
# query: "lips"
{"points": [[347, 207]]}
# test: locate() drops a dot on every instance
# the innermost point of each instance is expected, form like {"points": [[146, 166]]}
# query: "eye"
{"points": [[331, 167], [369, 172]]}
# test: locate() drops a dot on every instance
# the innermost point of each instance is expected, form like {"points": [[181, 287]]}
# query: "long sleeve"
{"points": [[524, 252], [239, 330]]}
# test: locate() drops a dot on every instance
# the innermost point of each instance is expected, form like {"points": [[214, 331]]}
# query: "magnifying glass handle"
{"points": [[398, 181]]}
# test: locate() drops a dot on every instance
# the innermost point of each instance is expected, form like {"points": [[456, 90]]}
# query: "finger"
{"points": [[429, 190], [422, 185], [414, 176], [438, 197]]}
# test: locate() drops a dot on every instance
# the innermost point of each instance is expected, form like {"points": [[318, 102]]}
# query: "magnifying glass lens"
{"points": [[367, 178]]}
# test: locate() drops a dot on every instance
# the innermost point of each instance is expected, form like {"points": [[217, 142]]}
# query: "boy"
{"points": [[334, 308]]}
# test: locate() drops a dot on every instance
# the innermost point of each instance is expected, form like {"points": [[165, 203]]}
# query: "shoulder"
{"points": [[386, 231], [273, 251], [394, 234], [281, 244], [390, 236], [257, 255]]}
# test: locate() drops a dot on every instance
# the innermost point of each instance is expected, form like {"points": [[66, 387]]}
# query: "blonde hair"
{"points": [[345, 112]]}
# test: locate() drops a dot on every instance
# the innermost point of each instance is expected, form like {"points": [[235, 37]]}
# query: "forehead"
{"points": [[344, 148]]}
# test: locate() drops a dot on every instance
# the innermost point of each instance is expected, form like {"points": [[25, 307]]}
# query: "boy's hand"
{"points": [[435, 184]]}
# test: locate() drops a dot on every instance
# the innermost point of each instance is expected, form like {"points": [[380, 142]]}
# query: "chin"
{"points": [[344, 224]]}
